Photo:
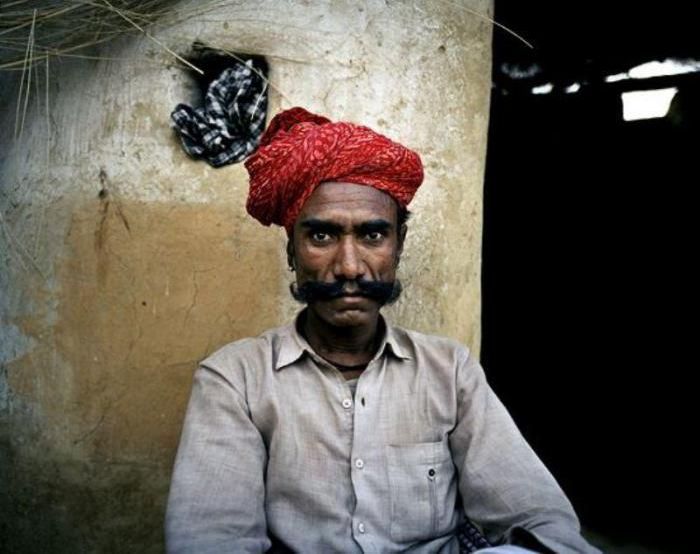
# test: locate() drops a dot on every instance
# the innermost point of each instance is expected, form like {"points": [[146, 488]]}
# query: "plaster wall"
{"points": [[124, 262]]}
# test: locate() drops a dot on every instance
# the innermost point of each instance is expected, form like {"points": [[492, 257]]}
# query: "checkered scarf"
{"points": [[228, 127]]}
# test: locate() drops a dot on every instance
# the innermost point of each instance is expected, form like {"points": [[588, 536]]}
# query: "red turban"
{"points": [[300, 150]]}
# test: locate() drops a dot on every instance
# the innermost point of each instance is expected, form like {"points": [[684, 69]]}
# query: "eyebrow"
{"points": [[374, 226], [323, 226]]}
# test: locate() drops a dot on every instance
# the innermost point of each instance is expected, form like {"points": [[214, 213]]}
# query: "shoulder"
{"points": [[247, 353], [437, 357], [423, 344]]}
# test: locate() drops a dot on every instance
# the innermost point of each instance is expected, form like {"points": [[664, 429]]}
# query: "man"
{"points": [[340, 432]]}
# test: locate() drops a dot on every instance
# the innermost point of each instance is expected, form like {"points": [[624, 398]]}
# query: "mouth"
{"points": [[351, 298]]}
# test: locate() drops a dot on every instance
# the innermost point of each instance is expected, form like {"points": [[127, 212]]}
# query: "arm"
{"points": [[505, 487], [216, 502]]}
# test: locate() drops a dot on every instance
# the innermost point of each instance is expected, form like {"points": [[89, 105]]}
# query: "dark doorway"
{"points": [[589, 240]]}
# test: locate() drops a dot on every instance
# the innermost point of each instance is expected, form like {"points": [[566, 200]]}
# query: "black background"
{"points": [[590, 241]]}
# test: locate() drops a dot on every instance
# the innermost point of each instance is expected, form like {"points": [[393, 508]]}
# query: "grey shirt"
{"points": [[275, 446]]}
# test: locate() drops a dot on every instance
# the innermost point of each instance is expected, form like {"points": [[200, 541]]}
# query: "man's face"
{"points": [[347, 233]]}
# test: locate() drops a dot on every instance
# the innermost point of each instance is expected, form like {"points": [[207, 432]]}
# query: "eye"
{"points": [[374, 236], [320, 236]]}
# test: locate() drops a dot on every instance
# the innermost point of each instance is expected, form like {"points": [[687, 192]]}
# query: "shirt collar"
{"points": [[292, 345]]}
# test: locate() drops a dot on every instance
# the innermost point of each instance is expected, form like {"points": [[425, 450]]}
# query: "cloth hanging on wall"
{"points": [[228, 127]]}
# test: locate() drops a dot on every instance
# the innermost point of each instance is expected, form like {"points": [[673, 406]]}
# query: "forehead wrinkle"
{"points": [[346, 219], [339, 200]]}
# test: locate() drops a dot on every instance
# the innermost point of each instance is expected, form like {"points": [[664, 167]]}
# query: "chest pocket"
{"points": [[423, 488]]}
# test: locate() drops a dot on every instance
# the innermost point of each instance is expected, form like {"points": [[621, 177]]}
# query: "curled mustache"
{"points": [[384, 292]]}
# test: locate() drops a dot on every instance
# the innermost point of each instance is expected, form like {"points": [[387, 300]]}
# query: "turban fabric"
{"points": [[300, 150]]}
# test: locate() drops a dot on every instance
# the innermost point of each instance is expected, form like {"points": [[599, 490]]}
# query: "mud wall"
{"points": [[124, 262]]}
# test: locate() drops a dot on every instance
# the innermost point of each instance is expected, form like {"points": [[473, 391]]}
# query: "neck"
{"points": [[344, 345]]}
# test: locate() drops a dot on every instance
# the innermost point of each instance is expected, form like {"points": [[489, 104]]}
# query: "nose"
{"points": [[348, 261]]}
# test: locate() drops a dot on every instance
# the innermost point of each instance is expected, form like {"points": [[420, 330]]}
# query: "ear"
{"points": [[290, 254], [401, 237]]}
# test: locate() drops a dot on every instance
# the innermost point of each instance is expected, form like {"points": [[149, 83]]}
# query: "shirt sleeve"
{"points": [[216, 501], [504, 486]]}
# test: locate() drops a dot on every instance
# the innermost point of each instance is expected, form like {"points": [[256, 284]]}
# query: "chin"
{"points": [[350, 318]]}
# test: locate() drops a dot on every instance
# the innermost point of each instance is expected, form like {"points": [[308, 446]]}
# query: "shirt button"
{"points": [[361, 528], [359, 464], [347, 403]]}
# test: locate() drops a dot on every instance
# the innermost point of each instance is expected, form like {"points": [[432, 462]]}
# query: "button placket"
{"points": [[363, 424]]}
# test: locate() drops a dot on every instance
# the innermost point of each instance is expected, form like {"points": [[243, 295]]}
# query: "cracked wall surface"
{"points": [[124, 262]]}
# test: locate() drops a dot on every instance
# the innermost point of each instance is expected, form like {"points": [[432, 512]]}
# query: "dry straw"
{"points": [[33, 31]]}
